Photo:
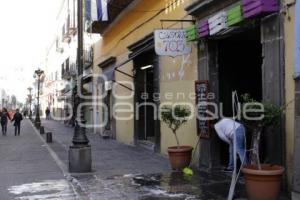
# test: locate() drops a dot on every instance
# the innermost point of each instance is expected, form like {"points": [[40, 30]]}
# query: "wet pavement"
{"points": [[174, 186], [127, 172], [27, 171], [33, 170], [51, 189]]}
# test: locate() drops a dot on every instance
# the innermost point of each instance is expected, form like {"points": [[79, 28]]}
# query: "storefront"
{"points": [[104, 87], [240, 48], [146, 85], [144, 80]]}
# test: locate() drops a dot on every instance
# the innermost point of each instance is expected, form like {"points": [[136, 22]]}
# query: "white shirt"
{"points": [[225, 129]]}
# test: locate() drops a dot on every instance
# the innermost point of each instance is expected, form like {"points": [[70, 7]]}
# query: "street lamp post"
{"points": [[80, 159], [39, 73], [30, 98]]}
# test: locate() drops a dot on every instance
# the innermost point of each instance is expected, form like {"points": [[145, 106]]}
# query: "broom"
{"points": [[188, 170]]}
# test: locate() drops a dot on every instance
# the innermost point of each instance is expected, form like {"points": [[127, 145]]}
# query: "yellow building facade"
{"points": [[289, 22], [124, 46], [175, 77]]}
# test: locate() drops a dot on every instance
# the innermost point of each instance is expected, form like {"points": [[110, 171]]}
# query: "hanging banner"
{"points": [[171, 42]]}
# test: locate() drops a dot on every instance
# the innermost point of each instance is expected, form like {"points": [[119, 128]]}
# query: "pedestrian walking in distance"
{"points": [[47, 113], [4, 117], [25, 113], [17, 122]]}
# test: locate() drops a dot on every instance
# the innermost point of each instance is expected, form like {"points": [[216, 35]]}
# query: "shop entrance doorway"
{"points": [[146, 130], [239, 62]]}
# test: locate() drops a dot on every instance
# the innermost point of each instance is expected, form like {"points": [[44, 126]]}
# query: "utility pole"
{"points": [[80, 159]]}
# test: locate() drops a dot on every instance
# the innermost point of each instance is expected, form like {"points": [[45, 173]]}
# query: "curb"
{"points": [[80, 192]]}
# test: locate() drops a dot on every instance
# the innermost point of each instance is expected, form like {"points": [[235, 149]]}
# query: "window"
{"points": [[67, 69]]}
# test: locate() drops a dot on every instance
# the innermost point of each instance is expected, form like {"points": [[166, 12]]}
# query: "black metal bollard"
{"points": [[49, 137], [37, 125], [42, 130]]}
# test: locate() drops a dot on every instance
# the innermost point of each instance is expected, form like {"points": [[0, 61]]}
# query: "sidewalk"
{"points": [[27, 170], [122, 172], [109, 157], [33, 170], [127, 172]]}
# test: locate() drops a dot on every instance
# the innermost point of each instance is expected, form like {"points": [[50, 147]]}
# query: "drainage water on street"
{"points": [[45, 190], [173, 186]]}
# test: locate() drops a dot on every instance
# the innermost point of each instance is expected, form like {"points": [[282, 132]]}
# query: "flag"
{"points": [[88, 10], [102, 10], [96, 10]]}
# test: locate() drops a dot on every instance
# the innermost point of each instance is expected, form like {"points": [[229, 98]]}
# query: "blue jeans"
{"points": [[240, 147]]}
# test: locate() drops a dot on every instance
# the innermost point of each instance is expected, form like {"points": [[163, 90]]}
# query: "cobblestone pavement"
{"points": [[27, 171]]}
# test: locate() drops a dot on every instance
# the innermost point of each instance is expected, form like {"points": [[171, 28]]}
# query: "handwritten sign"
{"points": [[201, 88], [171, 42]]}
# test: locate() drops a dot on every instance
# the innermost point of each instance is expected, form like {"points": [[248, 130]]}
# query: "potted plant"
{"points": [[175, 117], [262, 180]]}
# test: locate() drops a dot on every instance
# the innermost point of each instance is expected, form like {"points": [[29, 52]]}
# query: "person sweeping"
{"points": [[226, 130]]}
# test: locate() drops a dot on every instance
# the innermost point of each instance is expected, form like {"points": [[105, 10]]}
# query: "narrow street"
{"points": [[27, 170], [32, 170], [150, 100]]}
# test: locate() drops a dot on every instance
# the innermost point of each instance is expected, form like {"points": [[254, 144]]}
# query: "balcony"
{"points": [[65, 36], [72, 31], [71, 25], [68, 71], [115, 8], [65, 71], [58, 46], [69, 29], [73, 69]]}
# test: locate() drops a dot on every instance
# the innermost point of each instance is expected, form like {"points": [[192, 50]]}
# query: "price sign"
{"points": [[201, 89], [171, 42]]}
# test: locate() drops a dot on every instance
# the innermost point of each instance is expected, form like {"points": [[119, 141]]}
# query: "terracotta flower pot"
{"points": [[180, 157], [263, 184]]}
